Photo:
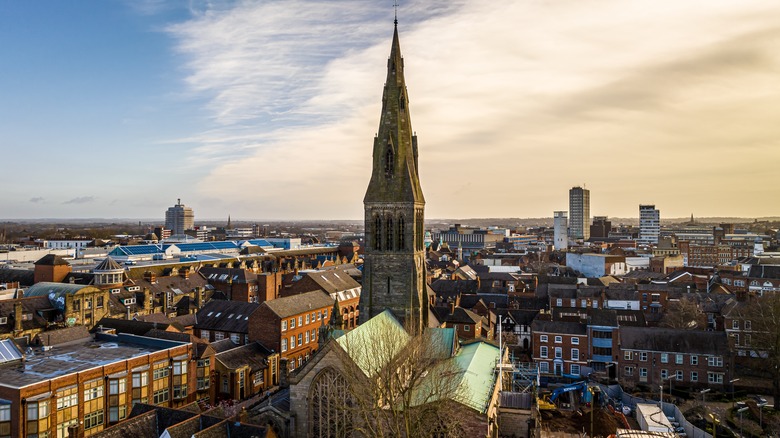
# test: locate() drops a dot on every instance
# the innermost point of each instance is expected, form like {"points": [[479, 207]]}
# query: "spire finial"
{"points": [[395, 7]]}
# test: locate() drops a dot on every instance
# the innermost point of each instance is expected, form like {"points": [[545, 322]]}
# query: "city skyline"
{"points": [[268, 110]]}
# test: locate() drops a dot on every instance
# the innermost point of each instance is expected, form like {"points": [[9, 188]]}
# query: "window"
{"points": [[715, 361], [583, 304], [236, 338], [575, 354], [292, 342], [714, 377], [736, 338], [284, 344], [218, 336], [575, 341], [5, 419], [161, 396], [543, 338], [284, 325], [93, 393], [558, 339], [67, 400], [306, 338], [559, 302], [325, 313], [678, 359], [205, 335], [664, 357], [643, 356], [313, 335], [259, 379], [748, 325], [678, 375], [292, 323], [694, 376], [116, 413], [558, 352], [664, 374], [573, 303], [466, 327], [3, 320], [300, 321], [543, 351], [300, 339], [93, 419], [319, 315], [694, 359], [626, 355], [161, 372], [575, 369], [643, 372], [735, 324], [307, 318], [628, 371], [544, 367]]}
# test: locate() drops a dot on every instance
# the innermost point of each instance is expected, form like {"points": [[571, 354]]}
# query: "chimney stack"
{"points": [[18, 316], [452, 307], [147, 304], [150, 276]]}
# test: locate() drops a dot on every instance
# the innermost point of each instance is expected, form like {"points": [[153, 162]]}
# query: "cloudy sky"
{"points": [[267, 109]]}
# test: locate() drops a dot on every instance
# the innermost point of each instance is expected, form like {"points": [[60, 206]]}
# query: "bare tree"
{"points": [[397, 384], [763, 315], [684, 314]]}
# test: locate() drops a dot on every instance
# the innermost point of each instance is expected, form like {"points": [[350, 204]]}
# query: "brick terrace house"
{"points": [[691, 358], [245, 371], [559, 347], [236, 284], [290, 325], [220, 319], [90, 383], [339, 285]]}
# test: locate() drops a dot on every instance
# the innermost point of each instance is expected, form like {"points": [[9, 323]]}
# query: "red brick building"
{"points": [[91, 384], [559, 347], [290, 325], [691, 358]]}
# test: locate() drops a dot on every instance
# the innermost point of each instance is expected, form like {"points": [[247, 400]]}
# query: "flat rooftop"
{"points": [[78, 356]]}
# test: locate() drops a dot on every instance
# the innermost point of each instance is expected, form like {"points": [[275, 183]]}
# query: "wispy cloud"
{"points": [[631, 98], [36, 199], [80, 200]]}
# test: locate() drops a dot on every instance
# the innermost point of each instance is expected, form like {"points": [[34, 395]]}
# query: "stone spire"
{"points": [[394, 269], [394, 173]]}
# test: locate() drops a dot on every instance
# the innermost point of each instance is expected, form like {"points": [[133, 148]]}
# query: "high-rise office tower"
{"points": [[560, 231], [649, 224], [579, 213], [179, 218]]}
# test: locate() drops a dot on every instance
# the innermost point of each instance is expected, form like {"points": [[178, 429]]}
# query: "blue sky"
{"points": [[266, 110]]}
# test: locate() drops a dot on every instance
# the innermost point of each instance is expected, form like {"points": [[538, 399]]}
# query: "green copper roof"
{"points": [[59, 289], [478, 362], [373, 344]]}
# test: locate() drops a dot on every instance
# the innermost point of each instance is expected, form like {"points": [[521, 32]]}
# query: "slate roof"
{"points": [[226, 316], [622, 294], [51, 260], [223, 345], [44, 288], [441, 286], [674, 340], [222, 275], [63, 336], [562, 327], [295, 304], [764, 271], [458, 316], [132, 326], [523, 317], [25, 277], [39, 307], [333, 280], [254, 355]]}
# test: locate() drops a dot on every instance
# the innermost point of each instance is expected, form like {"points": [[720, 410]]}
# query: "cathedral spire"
{"points": [[394, 268]]}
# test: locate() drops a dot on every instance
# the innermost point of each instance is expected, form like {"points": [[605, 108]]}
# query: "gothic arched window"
{"points": [[329, 403], [377, 234], [389, 233], [401, 238], [389, 162]]}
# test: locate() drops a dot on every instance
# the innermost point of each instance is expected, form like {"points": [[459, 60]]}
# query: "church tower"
{"points": [[394, 268]]}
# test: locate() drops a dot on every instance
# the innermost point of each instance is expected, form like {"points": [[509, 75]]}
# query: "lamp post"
{"points": [[662, 398], [703, 393], [761, 407], [732, 390], [741, 410]]}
